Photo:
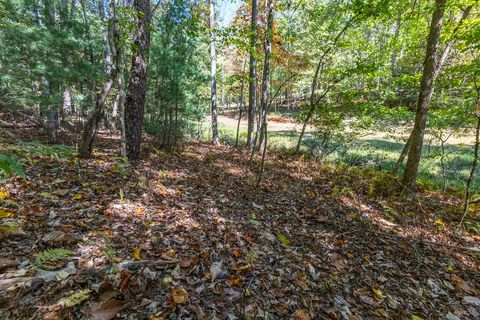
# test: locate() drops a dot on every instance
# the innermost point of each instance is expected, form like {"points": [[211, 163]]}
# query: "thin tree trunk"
{"points": [[91, 127], [468, 191], [137, 85], [425, 96], [393, 64], [313, 89], [266, 73], [252, 76], [264, 152], [121, 101], [213, 74], [240, 113], [403, 154]]}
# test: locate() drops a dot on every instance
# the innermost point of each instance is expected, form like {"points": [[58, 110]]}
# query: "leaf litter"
{"points": [[187, 235]]}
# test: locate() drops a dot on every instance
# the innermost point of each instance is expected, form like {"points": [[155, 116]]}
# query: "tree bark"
{"points": [[252, 76], [424, 98], [91, 127], [120, 100], [213, 74], [266, 74], [137, 85], [468, 191]]}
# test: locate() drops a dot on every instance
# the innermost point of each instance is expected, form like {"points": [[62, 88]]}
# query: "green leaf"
{"points": [[283, 239]]}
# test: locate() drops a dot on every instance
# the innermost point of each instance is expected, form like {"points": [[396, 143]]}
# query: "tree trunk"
{"points": [[393, 63], [213, 74], [252, 76], [403, 154], [468, 191], [313, 103], [137, 85], [266, 74], [91, 127], [424, 98], [121, 101]]}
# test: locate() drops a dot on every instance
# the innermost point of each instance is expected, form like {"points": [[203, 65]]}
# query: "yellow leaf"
{"points": [[378, 294], [5, 213], [136, 254], [179, 295], [78, 196], [414, 317], [243, 268], [3, 194], [139, 211]]}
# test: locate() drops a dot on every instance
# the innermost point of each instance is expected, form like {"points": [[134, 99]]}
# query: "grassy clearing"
{"points": [[379, 151]]}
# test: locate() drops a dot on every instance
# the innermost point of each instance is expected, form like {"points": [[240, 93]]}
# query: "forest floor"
{"points": [[188, 235]]}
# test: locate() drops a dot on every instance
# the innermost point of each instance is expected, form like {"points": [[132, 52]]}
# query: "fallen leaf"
{"points": [[234, 281], [338, 262], [74, 299], [8, 263], [106, 310], [243, 268], [461, 284], [301, 314], [236, 253], [77, 196], [61, 192], [169, 254], [185, 263], [378, 294], [5, 213], [136, 253], [7, 283], [215, 270], [283, 239], [3, 194], [179, 295], [368, 300]]}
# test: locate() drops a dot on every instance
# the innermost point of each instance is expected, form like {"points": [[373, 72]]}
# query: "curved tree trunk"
{"points": [[91, 127], [424, 98]]}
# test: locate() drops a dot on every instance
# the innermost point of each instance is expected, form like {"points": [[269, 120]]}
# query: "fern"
{"points": [[9, 166], [47, 257]]}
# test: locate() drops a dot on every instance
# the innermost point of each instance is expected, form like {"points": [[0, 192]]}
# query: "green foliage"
{"points": [[49, 256], [57, 152], [179, 90], [9, 166]]}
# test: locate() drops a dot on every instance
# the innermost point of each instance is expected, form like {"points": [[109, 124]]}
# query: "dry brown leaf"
{"points": [[185, 262], [7, 283], [301, 314], [8, 263], [179, 295], [106, 310], [461, 284]]}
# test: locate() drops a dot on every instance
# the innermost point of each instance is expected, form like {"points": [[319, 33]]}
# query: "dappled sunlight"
{"points": [[306, 233]]}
